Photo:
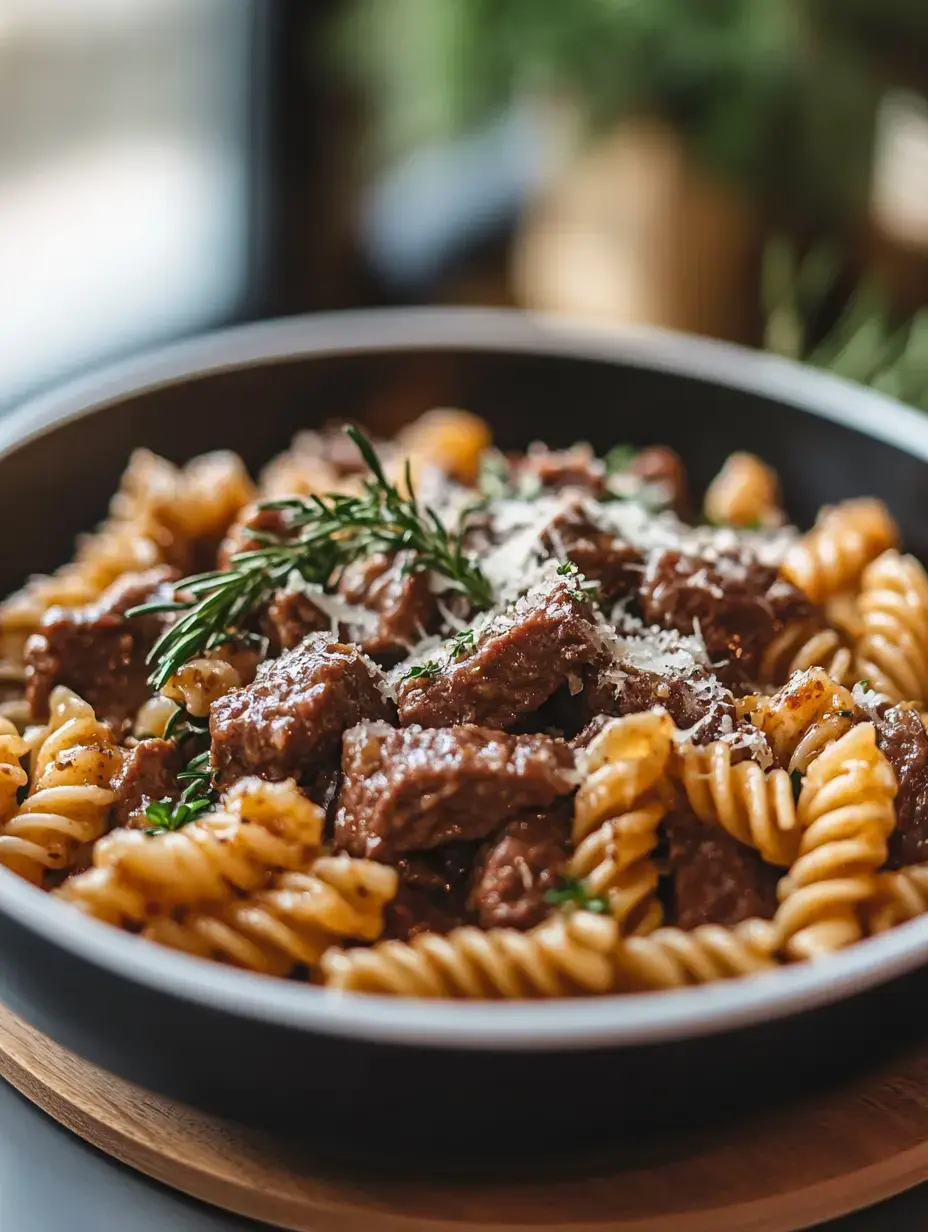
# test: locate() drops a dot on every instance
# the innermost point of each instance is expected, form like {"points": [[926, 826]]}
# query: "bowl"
{"points": [[374, 1070]]}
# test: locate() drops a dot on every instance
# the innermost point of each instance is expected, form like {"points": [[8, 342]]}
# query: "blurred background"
{"points": [[755, 170]]}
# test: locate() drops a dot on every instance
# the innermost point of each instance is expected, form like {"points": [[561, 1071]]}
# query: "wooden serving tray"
{"points": [[788, 1169]]}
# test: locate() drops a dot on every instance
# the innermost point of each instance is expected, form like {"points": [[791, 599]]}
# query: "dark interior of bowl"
{"points": [[59, 483]]}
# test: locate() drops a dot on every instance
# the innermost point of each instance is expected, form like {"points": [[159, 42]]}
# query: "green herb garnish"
{"points": [[325, 533], [795, 778], [619, 459], [462, 643], [581, 592], [572, 892], [198, 797], [182, 725], [423, 671], [862, 684]]}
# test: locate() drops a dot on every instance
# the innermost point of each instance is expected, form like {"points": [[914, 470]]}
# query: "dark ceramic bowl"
{"points": [[479, 1073]]}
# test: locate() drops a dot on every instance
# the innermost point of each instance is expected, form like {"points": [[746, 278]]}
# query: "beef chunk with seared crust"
{"points": [[664, 467], [416, 788], [903, 741], [288, 722], [404, 606], [737, 603], [149, 773], [600, 556], [432, 892], [716, 880], [516, 868], [519, 660], [541, 468], [98, 651]]}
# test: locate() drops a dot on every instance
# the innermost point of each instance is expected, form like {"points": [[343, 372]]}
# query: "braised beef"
{"points": [[599, 555], [416, 788], [664, 467], [400, 598], [716, 880], [903, 741], [98, 651], [432, 893], [520, 659], [291, 615], [693, 700], [289, 721], [240, 537], [543, 468], [149, 773], [517, 867], [737, 603]]}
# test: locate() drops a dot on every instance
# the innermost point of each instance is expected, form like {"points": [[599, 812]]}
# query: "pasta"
{"points": [[565, 956], [511, 730], [70, 795], [892, 651], [264, 827], [745, 492], [833, 555], [616, 816], [846, 813], [289, 925], [755, 808]]}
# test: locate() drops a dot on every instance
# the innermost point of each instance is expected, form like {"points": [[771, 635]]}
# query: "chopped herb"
{"points": [[198, 797], [619, 458], [862, 684], [845, 714], [423, 671], [567, 569], [324, 534], [795, 778], [581, 592], [572, 892], [462, 643], [182, 724], [494, 476]]}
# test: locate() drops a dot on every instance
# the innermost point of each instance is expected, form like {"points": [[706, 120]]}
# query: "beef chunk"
{"points": [[517, 867], [289, 721], [432, 893], [739, 605], [149, 773], [690, 701], [404, 606], [663, 467], [600, 556], [903, 741], [543, 468], [97, 650], [240, 537], [290, 617], [416, 788], [519, 660], [716, 880]]}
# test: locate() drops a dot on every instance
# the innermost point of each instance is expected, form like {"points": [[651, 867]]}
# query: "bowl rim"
{"points": [[627, 1020]]}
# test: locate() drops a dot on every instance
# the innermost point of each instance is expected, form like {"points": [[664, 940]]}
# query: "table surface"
{"points": [[50, 1181]]}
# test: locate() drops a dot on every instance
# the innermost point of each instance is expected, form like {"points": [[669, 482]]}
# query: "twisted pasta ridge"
{"points": [[676, 958], [615, 862], [899, 896], [290, 924], [801, 646], [200, 682], [69, 801], [745, 492], [568, 954], [262, 829], [846, 813], [892, 653], [12, 775], [755, 808], [831, 557], [803, 717]]}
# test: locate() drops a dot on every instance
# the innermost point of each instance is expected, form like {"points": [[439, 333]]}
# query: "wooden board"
{"points": [[786, 1170]]}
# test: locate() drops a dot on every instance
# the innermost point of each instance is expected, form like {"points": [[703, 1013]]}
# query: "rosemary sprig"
{"points": [[324, 534], [198, 797]]}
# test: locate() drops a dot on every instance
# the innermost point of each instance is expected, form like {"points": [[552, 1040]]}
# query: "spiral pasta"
{"points": [[809, 712], [846, 813], [200, 682], [448, 439], [677, 958], [289, 925], [892, 652], [755, 807], [804, 645], [12, 775], [570, 953], [617, 812], [263, 828], [68, 804], [899, 896], [745, 492], [831, 557]]}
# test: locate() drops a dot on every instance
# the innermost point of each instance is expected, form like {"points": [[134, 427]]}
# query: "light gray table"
{"points": [[50, 1181]]}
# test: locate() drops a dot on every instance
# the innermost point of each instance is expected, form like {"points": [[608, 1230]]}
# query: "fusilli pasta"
{"points": [[745, 492], [899, 896], [676, 958], [846, 813], [570, 953], [892, 653], [831, 557], [801, 646], [803, 717]]}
